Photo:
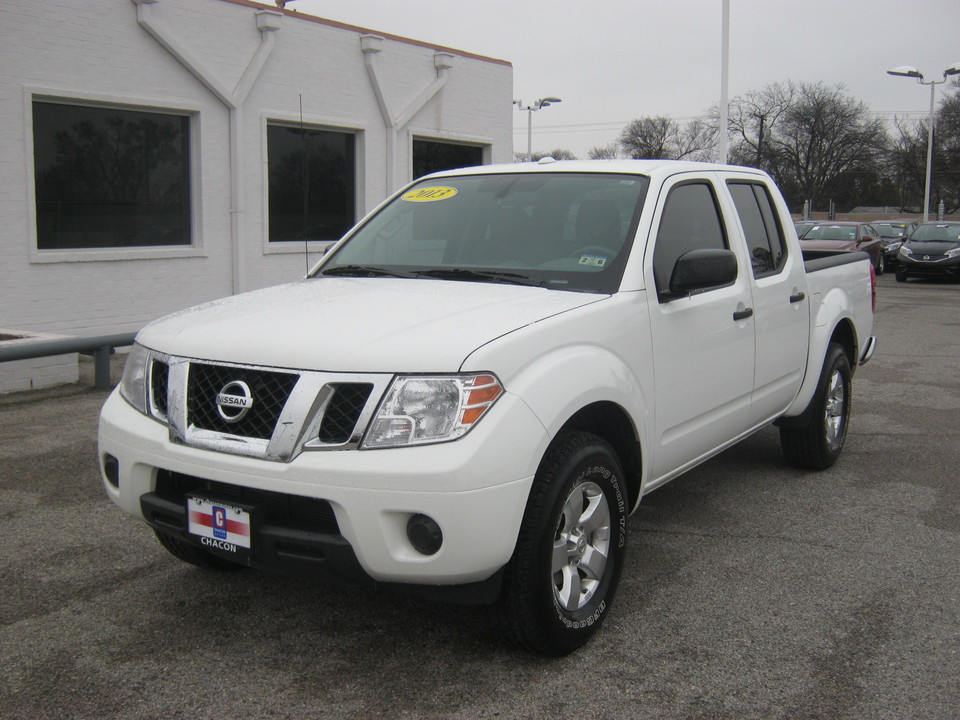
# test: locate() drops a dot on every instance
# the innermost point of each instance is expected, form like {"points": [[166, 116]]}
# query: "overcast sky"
{"points": [[611, 61]]}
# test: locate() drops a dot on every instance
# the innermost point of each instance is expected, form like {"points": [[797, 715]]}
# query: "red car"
{"points": [[844, 236]]}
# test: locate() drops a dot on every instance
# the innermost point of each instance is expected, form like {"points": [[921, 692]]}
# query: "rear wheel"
{"points": [[816, 444], [194, 555], [564, 572]]}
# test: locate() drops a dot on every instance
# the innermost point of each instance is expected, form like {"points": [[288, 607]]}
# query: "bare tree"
{"points": [[650, 137], [823, 140], [664, 138], [908, 156], [604, 152], [556, 154], [753, 118], [947, 130], [696, 140]]}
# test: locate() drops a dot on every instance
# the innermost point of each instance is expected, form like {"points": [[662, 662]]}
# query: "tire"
{"points": [[194, 555], [560, 583], [881, 265], [901, 274], [818, 441]]}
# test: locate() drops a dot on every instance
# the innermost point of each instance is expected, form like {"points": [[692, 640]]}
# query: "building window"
{"points": [[312, 183], [432, 156], [108, 178]]}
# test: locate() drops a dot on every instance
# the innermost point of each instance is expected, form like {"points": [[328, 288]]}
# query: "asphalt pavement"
{"points": [[751, 590]]}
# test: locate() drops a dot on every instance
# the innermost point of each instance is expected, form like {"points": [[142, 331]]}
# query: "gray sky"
{"points": [[615, 60]]}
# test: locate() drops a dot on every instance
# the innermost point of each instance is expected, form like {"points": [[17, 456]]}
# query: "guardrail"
{"points": [[100, 347]]}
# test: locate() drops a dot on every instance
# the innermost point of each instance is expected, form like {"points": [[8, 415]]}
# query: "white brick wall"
{"points": [[36, 372], [94, 50]]}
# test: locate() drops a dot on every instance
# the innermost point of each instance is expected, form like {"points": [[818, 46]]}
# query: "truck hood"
{"points": [[357, 324]]}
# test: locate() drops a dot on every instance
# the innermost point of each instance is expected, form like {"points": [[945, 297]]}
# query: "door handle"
{"points": [[798, 297], [742, 314]]}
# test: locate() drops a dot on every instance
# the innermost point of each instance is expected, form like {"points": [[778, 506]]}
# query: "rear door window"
{"points": [[761, 226]]}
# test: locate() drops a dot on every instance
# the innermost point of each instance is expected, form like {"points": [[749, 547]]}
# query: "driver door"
{"points": [[703, 344]]}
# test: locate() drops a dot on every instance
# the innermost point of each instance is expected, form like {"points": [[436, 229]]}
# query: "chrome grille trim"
{"points": [[298, 425]]}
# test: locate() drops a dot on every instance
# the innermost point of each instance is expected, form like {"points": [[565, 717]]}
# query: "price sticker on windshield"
{"points": [[429, 194]]}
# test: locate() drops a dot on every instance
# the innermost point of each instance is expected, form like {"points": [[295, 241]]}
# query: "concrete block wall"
{"points": [[94, 51], [36, 373]]}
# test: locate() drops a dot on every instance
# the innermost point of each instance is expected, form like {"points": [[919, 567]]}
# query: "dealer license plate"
{"points": [[219, 525]]}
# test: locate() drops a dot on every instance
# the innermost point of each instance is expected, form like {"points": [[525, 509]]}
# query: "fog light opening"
{"points": [[424, 534], [111, 469]]}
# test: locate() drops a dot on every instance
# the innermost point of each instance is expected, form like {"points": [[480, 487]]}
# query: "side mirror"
{"points": [[701, 270]]}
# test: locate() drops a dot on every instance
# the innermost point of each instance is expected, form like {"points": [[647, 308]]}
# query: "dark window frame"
{"points": [[761, 190], [297, 223], [416, 166], [112, 178], [662, 285]]}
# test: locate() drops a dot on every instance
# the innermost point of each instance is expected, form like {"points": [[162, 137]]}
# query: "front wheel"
{"points": [[816, 443], [901, 274], [881, 264], [560, 583]]}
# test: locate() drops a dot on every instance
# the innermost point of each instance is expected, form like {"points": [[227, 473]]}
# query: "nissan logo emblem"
{"points": [[234, 401]]}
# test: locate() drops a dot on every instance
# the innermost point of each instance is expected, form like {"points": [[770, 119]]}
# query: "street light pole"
{"points": [[536, 105], [908, 71]]}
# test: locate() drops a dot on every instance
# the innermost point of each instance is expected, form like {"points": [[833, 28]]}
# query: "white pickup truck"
{"points": [[473, 389]]}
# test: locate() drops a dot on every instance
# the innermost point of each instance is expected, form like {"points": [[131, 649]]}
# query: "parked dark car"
{"points": [[932, 249], [892, 235], [844, 236]]}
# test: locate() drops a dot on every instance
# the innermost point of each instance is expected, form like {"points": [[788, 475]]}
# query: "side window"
{"points": [[691, 221], [761, 226]]}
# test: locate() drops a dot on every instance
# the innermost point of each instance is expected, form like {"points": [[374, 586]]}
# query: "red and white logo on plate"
{"points": [[218, 521]]}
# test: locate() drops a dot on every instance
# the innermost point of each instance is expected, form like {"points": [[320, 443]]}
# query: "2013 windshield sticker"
{"points": [[597, 261], [429, 194]]}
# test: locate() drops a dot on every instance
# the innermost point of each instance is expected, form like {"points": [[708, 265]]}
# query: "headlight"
{"points": [[953, 253], [904, 250], [428, 409], [133, 386]]}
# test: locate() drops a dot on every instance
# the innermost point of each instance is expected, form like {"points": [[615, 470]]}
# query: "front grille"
{"points": [[271, 507], [159, 382], [343, 412], [269, 391]]}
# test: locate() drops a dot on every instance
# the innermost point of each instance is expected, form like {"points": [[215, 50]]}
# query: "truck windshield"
{"points": [[567, 231]]}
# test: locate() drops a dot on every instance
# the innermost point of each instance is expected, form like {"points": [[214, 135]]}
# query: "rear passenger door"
{"points": [[781, 307], [703, 344]]}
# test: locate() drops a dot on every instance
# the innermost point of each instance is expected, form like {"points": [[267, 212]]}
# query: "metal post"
{"points": [[101, 367], [723, 139], [530, 134], [926, 187]]}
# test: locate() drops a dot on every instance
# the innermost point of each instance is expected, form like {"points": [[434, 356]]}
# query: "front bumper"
{"points": [[935, 265], [474, 488]]}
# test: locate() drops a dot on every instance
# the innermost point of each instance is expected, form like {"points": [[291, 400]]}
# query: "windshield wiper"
{"points": [[360, 271], [477, 275]]}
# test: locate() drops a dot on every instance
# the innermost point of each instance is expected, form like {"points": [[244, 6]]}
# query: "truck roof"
{"points": [[634, 167]]}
